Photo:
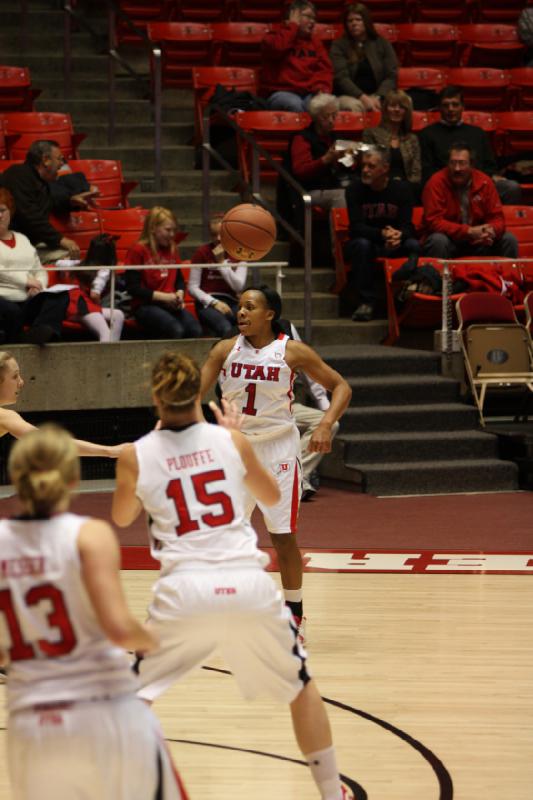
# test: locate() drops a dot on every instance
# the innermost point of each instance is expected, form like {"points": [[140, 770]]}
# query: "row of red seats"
{"points": [[239, 44], [424, 311], [143, 12]]}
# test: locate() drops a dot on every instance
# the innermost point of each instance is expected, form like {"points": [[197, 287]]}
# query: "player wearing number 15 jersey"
{"points": [[213, 593], [76, 728], [256, 371]]}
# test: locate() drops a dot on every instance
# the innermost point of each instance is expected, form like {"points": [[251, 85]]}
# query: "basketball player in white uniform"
{"points": [[76, 728], [213, 592], [256, 371]]}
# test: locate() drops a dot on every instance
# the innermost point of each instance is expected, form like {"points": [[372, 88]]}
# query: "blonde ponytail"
{"points": [[43, 467]]}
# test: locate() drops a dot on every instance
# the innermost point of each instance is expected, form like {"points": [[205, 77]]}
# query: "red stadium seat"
{"points": [[522, 88], [238, 44], [421, 119], [450, 11], [327, 33], [25, 127], [184, 45], [483, 88], [260, 10], [500, 10], [205, 80], [273, 131], [388, 11], [3, 143], [203, 10], [351, 124], [428, 44], [139, 13], [516, 131], [389, 32], [107, 176], [490, 45], [422, 78], [126, 224], [518, 216], [81, 226], [16, 91]]}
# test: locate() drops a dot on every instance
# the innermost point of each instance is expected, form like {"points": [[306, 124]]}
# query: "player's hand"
{"points": [[320, 441], [229, 417]]}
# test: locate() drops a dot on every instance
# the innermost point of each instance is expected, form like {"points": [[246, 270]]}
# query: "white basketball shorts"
{"points": [[92, 750], [282, 457], [238, 612]]}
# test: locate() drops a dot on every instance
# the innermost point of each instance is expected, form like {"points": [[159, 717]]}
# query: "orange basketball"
{"points": [[248, 232]]}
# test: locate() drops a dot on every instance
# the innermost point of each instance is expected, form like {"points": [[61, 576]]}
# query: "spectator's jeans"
{"points": [[510, 192], [438, 245], [164, 323], [220, 324], [44, 308], [363, 254], [288, 101]]}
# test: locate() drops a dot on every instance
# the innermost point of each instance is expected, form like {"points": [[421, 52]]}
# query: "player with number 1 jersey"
{"points": [[256, 371]]}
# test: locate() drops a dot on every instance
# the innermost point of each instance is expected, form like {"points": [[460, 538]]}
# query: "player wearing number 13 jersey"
{"points": [[256, 371], [76, 728], [213, 593]]}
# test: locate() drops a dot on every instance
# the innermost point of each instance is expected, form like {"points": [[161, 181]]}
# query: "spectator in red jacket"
{"points": [[296, 65], [462, 212]]}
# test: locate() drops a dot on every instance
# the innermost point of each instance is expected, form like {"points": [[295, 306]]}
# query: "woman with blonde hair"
{"points": [[364, 63], [75, 725], [158, 294], [193, 479], [11, 384], [395, 132]]}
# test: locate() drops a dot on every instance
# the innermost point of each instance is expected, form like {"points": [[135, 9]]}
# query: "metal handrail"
{"points": [[252, 190], [114, 268]]}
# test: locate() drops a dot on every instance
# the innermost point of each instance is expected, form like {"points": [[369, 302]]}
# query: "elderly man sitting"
{"points": [[462, 212]]}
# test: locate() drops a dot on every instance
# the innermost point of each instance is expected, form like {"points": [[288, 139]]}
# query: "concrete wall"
{"points": [[87, 375]]}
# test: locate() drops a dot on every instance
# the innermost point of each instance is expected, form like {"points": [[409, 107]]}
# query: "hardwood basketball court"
{"points": [[428, 675]]}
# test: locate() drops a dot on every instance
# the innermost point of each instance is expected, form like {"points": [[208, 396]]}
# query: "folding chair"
{"points": [[483, 88], [427, 44], [528, 306], [238, 44], [273, 131], [495, 346], [184, 45], [107, 176], [205, 81], [490, 45], [25, 127], [16, 91]]}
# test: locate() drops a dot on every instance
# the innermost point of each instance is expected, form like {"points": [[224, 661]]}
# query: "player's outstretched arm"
{"points": [[17, 426], [259, 482], [126, 506], [301, 356], [100, 564]]}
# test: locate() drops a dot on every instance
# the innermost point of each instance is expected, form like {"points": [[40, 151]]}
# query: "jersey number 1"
{"points": [[199, 482], [21, 650], [250, 408]]}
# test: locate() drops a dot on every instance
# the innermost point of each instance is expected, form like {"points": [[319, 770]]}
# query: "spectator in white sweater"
{"points": [[24, 301]]}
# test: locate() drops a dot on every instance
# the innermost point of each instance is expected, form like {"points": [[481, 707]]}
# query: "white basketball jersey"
{"points": [[191, 485], [57, 649], [260, 383]]}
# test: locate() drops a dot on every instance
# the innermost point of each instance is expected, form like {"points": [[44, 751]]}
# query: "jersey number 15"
{"points": [[199, 484]]}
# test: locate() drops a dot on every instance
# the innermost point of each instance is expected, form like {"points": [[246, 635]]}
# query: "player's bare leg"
{"points": [[313, 734], [289, 560]]}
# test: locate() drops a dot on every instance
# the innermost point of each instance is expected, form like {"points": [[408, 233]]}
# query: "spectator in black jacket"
{"points": [[29, 183], [380, 211], [436, 140]]}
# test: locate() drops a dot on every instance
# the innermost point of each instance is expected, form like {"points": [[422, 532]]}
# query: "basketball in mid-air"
{"points": [[248, 232]]}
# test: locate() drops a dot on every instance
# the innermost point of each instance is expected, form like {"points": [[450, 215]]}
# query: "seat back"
{"points": [[202, 10], [515, 131], [450, 11], [25, 127], [259, 10], [388, 11], [351, 124], [506, 11], [522, 88], [126, 224], [81, 226], [107, 176], [273, 131], [184, 45], [140, 14], [238, 44], [490, 45], [483, 88], [205, 80], [484, 308], [16, 91], [427, 43], [422, 78]]}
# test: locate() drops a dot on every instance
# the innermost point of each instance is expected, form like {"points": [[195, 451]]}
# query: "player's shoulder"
{"points": [[224, 347], [297, 353]]}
